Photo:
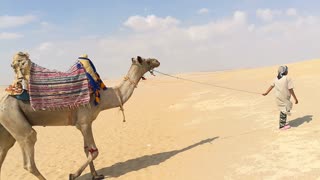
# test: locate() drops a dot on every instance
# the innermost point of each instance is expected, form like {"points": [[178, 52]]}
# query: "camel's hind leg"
{"points": [[26, 136], [6, 142]]}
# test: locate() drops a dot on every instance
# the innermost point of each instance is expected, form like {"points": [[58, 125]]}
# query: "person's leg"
{"points": [[283, 120]]}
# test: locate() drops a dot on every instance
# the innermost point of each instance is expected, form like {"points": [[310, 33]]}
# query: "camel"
{"points": [[17, 118]]}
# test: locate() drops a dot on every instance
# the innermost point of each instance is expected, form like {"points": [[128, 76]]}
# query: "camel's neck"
{"points": [[130, 82], [124, 90]]}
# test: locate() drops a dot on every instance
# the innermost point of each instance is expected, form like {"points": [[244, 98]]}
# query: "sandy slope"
{"points": [[178, 130]]}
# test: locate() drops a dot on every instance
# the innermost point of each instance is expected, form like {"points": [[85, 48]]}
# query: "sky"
{"points": [[184, 35]]}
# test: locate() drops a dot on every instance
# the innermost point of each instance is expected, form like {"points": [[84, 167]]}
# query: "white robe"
{"points": [[282, 93]]}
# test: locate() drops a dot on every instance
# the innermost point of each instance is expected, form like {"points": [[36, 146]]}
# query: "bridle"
{"points": [[127, 78]]}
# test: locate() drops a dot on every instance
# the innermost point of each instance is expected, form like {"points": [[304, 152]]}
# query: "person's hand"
{"points": [[264, 94], [296, 101]]}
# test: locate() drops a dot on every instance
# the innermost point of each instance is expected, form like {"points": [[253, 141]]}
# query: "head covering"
{"points": [[282, 71]]}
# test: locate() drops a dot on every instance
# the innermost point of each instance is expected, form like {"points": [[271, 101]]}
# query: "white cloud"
{"points": [[151, 22], [6, 35], [291, 12], [240, 17], [15, 21], [203, 11], [44, 23], [307, 21], [229, 42], [267, 14], [45, 46], [251, 27], [218, 28]]}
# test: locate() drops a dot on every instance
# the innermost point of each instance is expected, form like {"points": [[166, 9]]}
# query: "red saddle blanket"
{"points": [[51, 89]]}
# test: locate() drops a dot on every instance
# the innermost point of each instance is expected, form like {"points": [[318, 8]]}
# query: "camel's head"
{"points": [[20, 58], [147, 64], [21, 64]]}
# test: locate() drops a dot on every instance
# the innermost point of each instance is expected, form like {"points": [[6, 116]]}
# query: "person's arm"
{"points": [[267, 92], [294, 96]]}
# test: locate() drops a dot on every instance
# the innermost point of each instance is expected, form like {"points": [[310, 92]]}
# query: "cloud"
{"points": [[7, 36], [240, 17], [218, 28], [267, 14], [225, 43], [291, 12], [45, 46], [203, 11], [150, 23], [15, 21]]}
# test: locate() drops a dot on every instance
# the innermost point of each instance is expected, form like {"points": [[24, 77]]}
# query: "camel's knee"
{"points": [[32, 137], [94, 153], [29, 138]]}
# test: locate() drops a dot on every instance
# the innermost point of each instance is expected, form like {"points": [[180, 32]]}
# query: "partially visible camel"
{"points": [[17, 118]]}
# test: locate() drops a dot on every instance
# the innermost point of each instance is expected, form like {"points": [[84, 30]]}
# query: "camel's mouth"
{"points": [[157, 64], [154, 64]]}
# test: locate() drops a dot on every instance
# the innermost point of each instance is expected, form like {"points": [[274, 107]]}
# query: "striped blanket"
{"points": [[51, 89]]}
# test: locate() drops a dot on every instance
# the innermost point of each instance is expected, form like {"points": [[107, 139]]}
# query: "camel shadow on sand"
{"points": [[299, 121], [136, 164]]}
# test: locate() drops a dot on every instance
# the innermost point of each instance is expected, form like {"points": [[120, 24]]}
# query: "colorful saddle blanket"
{"points": [[51, 89], [95, 82]]}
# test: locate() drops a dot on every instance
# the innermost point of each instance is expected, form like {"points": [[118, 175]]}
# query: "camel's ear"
{"points": [[132, 59], [139, 59]]}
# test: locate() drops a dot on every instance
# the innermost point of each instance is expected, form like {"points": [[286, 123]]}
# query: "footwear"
{"points": [[285, 127]]}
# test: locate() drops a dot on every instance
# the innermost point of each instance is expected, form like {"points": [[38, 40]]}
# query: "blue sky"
{"points": [[185, 36]]}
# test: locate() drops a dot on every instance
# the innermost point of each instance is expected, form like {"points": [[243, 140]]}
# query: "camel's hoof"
{"points": [[98, 177]]}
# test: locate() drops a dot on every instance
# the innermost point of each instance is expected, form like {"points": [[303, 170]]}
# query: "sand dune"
{"points": [[179, 130]]}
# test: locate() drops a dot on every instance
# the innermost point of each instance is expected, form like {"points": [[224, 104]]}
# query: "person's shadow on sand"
{"points": [[136, 164], [299, 121]]}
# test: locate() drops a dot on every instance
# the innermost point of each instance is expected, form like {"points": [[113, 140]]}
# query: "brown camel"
{"points": [[17, 118]]}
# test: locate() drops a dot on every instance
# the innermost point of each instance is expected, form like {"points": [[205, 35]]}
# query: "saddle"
{"points": [[51, 89]]}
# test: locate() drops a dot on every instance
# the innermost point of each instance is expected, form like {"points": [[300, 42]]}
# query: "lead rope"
{"points": [[118, 93], [217, 86], [121, 104]]}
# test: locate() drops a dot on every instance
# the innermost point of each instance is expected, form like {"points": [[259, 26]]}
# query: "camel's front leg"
{"points": [[86, 130]]}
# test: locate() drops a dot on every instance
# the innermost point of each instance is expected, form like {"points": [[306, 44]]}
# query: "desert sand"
{"points": [[179, 130]]}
